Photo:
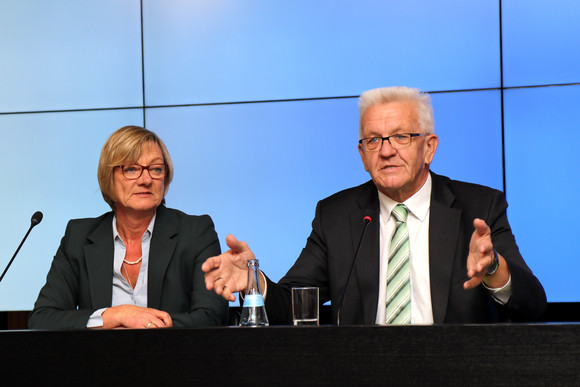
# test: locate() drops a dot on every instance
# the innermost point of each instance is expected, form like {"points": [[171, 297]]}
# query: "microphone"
{"points": [[36, 218], [367, 219]]}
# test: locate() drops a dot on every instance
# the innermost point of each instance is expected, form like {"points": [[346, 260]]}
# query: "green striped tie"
{"points": [[398, 278]]}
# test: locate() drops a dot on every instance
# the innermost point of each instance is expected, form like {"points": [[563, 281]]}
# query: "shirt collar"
{"points": [[418, 204]]}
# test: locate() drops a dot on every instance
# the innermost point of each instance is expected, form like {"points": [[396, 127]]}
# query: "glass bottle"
{"points": [[253, 310]]}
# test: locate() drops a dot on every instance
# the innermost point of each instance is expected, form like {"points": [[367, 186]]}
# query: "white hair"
{"points": [[384, 95]]}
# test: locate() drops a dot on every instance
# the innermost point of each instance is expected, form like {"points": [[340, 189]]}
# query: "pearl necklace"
{"points": [[134, 262]]}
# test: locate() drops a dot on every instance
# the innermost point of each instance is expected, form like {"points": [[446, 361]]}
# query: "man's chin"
{"points": [[389, 184], [390, 188]]}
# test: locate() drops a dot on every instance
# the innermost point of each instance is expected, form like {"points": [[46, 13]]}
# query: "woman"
{"points": [[138, 266]]}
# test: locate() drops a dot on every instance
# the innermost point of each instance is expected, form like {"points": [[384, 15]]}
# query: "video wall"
{"points": [[257, 104]]}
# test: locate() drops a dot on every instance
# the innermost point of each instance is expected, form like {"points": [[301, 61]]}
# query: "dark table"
{"points": [[469, 355]]}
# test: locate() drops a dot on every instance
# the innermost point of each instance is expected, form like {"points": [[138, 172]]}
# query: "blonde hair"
{"points": [[384, 95], [125, 146]]}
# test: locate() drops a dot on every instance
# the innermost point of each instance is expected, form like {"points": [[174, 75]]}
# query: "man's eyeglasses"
{"points": [[397, 141], [134, 171]]}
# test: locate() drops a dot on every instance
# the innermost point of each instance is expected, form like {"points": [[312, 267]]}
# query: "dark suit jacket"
{"points": [[337, 228], [80, 280]]}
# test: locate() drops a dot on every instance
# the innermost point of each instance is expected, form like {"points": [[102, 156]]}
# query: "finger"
{"points": [[210, 264], [234, 244], [479, 271], [156, 322], [486, 249], [222, 289], [227, 293], [483, 253], [211, 277], [151, 321], [472, 283], [479, 267], [481, 228], [218, 285], [209, 283], [167, 321], [476, 271]]}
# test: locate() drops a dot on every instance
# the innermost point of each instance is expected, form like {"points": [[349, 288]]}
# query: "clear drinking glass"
{"points": [[305, 306]]}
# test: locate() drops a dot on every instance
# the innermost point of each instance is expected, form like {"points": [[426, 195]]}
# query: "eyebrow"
{"points": [[397, 131]]}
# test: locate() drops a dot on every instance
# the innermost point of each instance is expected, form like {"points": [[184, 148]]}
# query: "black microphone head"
{"points": [[36, 218], [368, 216]]}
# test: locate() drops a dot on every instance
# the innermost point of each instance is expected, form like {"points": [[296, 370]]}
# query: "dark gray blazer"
{"points": [[80, 279], [337, 227]]}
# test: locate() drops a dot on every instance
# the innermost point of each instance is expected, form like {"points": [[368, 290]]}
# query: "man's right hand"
{"points": [[227, 273]]}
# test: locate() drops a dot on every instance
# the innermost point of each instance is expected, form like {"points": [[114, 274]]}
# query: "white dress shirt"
{"points": [[418, 217], [418, 226]]}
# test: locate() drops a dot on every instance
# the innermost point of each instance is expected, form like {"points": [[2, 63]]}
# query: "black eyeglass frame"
{"points": [[388, 138]]}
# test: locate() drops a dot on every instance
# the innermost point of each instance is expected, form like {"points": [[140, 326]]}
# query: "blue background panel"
{"points": [[59, 55], [235, 50], [541, 42], [470, 141], [542, 137]]}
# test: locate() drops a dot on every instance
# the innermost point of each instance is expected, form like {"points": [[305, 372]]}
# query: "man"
{"points": [[436, 251]]}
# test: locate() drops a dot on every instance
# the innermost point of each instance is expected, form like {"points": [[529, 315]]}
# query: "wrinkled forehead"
{"points": [[389, 118]]}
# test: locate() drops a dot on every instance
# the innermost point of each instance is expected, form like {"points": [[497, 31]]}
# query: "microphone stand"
{"points": [[367, 220], [36, 218]]}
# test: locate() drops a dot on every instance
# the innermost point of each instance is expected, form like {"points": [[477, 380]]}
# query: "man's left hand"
{"points": [[481, 257]]}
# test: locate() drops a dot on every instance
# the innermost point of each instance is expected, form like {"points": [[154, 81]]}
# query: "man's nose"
{"points": [[387, 149]]}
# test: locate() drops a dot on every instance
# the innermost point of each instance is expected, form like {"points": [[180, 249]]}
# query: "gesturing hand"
{"points": [[481, 254], [227, 273]]}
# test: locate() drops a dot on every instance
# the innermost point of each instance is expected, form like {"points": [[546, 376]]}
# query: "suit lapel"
{"points": [[443, 233], [99, 261], [367, 265], [163, 243]]}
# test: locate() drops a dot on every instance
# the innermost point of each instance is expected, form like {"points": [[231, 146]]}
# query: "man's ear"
{"points": [[431, 143]]}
